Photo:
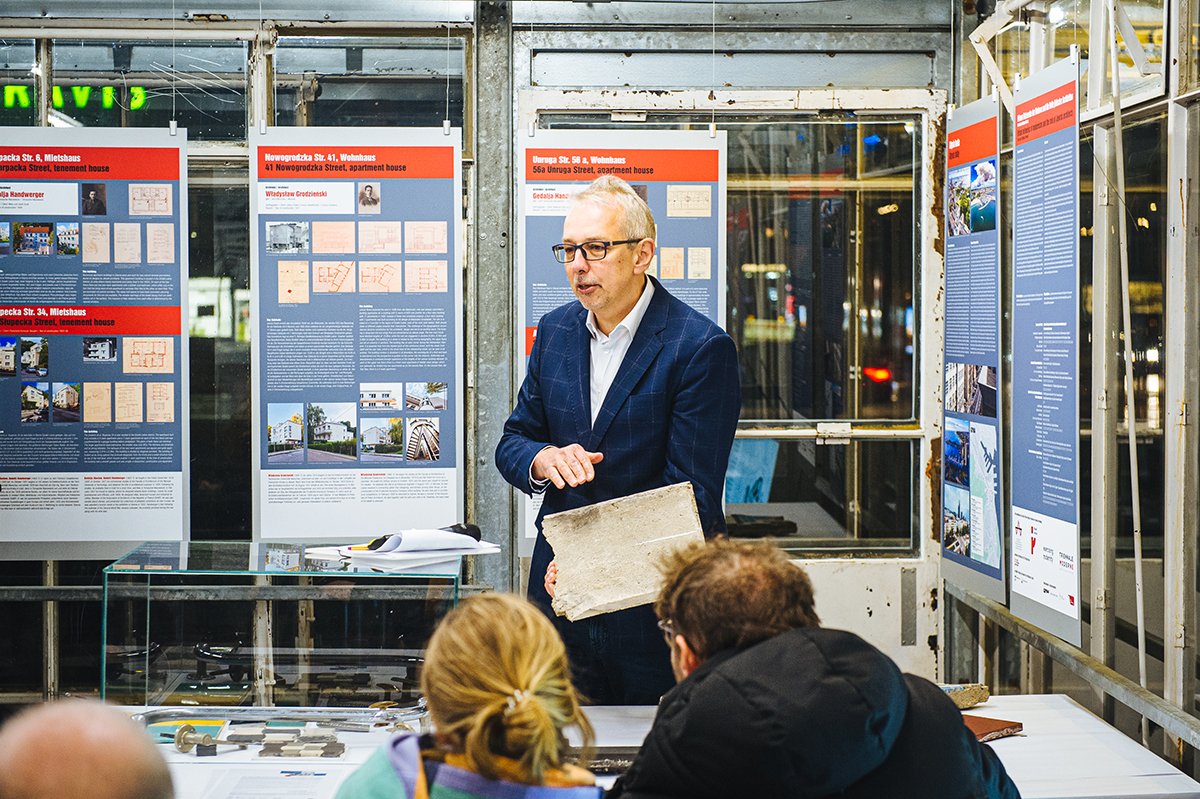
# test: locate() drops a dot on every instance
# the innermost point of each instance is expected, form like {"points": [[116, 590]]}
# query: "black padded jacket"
{"points": [[810, 713]]}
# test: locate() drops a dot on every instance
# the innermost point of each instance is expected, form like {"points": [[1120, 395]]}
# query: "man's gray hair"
{"points": [[636, 220]]}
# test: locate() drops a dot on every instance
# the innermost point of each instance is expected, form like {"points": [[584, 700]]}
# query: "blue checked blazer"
{"points": [[668, 417]]}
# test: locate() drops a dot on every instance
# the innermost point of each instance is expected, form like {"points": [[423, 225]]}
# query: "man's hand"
{"points": [[566, 466], [551, 578]]}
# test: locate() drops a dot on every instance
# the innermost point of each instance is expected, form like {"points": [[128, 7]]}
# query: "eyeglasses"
{"points": [[668, 629], [591, 250]]}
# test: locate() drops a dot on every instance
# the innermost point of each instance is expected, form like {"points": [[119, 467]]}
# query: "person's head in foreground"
{"points": [[79, 748], [499, 693], [770, 704], [729, 596], [499, 689]]}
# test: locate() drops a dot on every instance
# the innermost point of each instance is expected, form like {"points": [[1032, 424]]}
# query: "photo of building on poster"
{"points": [[972, 198]]}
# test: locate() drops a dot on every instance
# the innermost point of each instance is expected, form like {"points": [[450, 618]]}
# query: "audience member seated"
{"points": [[499, 693], [769, 704], [78, 748]]}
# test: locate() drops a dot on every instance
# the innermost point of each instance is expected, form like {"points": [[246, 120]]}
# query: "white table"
{"points": [[1068, 753], [1065, 752]]}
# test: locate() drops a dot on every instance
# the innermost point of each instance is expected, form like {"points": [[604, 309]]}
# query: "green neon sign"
{"points": [[18, 96]]}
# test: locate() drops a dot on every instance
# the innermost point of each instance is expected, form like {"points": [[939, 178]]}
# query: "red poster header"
{"points": [[91, 320], [277, 163], [1048, 113], [584, 163], [972, 143], [89, 163]]}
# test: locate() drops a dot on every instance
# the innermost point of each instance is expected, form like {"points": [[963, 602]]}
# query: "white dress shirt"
{"points": [[607, 351]]}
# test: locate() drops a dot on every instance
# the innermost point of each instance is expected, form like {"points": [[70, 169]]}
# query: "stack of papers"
{"points": [[417, 550]]}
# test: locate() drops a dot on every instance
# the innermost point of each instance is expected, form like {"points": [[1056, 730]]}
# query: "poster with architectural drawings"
{"points": [[94, 305], [679, 174], [357, 369]]}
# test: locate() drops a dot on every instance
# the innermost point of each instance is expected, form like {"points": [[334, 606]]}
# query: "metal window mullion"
{"points": [[260, 68], [1181, 296], [127, 34], [1105, 488], [44, 72], [1105, 326], [491, 504]]}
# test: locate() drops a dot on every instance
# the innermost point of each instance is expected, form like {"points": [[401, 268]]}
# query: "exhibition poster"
{"points": [[1045, 317], [972, 542], [358, 356], [93, 358], [680, 175]]}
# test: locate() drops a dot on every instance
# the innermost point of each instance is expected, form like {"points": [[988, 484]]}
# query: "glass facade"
{"points": [[18, 60], [201, 85]]}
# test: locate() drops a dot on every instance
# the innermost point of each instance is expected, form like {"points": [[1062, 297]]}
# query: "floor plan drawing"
{"points": [[150, 199], [148, 356], [333, 277], [375, 277]]}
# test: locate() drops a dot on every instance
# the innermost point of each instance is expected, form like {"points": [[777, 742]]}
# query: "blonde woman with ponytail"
{"points": [[499, 693]]}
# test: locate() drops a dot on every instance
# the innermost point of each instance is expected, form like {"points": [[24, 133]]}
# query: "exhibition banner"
{"points": [[972, 542], [680, 175], [1045, 344], [357, 255], [93, 347]]}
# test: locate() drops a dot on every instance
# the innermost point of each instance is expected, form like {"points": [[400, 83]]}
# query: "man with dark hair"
{"points": [[78, 748], [770, 704], [93, 203]]}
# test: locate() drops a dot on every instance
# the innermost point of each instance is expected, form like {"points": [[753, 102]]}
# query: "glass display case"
{"points": [[265, 624]]}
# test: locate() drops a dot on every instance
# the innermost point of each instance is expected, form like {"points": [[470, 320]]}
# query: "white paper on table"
{"points": [[422, 539], [299, 783]]}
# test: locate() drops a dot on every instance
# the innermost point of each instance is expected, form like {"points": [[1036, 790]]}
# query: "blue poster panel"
{"points": [[93, 358], [972, 542], [1045, 394], [357, 250], [680, 175]]}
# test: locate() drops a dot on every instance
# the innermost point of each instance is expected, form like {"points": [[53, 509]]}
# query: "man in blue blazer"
{"points": [[627, 389]]}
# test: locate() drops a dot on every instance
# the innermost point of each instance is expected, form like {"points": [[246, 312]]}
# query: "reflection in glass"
{"points": [[807, 496], [18, 83], [1145, 178], [219, 284], [341, 81], [201, 85], [821, 256]]}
